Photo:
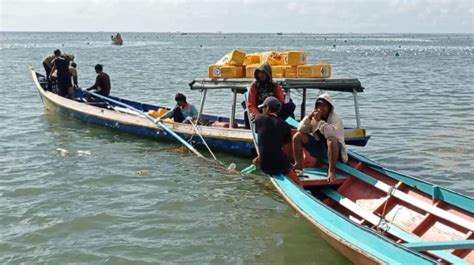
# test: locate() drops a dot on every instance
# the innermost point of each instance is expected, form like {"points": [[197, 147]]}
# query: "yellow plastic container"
{"points": [[314, 71], [157, 113], [271, 57], [293, 57], [226, 71], [250, 70], [291, 71], [278, 71], [252, 58], [235, 57]]}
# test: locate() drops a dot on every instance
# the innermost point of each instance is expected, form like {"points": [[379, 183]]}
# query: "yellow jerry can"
{"points": [[278, 71], [235, 57], [226, 71], [291, 71], [314, 71], [294, 57], [250, 70], [252, 58]]}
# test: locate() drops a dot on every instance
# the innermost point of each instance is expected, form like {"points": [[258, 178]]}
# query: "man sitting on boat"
{"points": [[273, 134], [102, 83], [321, 133], [182, 111], [264, 87]]}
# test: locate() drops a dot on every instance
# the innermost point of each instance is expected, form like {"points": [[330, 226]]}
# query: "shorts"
{"points": [[319, 149]]}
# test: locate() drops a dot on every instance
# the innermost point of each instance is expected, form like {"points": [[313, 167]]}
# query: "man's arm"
{"points": [[280, 94], [252, 101], [95, 86]]}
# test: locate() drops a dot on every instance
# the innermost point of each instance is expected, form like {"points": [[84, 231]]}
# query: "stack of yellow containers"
{"points": [[289, 64]]}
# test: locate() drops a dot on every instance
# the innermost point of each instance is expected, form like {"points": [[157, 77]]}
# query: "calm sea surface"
{"points": [[112, 198]]}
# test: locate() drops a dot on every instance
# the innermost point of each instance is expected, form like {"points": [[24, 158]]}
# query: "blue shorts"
{"points": [[319, 148]]}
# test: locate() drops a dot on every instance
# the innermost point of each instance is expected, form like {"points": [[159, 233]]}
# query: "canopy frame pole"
{"points": [[232, 111], [356, 106], [201, 106], [303, 104]]}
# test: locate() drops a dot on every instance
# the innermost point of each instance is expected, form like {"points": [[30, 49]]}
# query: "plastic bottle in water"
{"points": [[248, 169], [231, 167]]}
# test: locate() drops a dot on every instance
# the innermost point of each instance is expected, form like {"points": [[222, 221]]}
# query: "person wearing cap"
{"points": [[264, 87], [48, 65], [321, 133], [182, 111], [102, 81], [273, 134]]}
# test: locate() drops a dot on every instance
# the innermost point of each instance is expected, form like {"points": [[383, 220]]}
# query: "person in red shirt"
{"points": [[102, 82], [264, 87]]}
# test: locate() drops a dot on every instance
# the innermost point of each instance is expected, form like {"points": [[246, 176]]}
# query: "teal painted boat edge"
{"points": [[439, 245], [436, 192], [400, 233], [353, 234]]}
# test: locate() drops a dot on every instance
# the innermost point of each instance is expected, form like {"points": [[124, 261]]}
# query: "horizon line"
{"points": [[226, 32]]}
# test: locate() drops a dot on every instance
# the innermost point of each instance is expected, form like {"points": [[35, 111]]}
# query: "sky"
{"points": [[328, 16]]}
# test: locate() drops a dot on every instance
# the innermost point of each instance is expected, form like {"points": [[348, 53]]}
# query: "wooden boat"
{"points": [[117, 40], [235, 140], [374, 215]]}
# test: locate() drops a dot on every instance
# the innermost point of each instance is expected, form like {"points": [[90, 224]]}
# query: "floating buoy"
{"points": [[334, 45], [200, 45], [397, 54]]}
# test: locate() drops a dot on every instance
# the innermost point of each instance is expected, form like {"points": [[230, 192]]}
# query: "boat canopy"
{"points": [[241, 84]]}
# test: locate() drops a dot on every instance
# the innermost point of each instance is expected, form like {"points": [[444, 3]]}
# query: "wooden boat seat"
{"points": [[438, 245], [390, 228], [317, 177], [429, 208]]}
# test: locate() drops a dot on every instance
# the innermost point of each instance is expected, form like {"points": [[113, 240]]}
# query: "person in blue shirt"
{"points": [[182, 111]]}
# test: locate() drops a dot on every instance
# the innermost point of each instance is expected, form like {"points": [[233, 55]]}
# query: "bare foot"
{"points": [[331, 177]]}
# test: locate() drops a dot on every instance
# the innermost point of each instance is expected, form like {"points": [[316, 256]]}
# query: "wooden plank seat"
{"points": [[389, 228], [432, 209], [438, 245], [318, 177]]}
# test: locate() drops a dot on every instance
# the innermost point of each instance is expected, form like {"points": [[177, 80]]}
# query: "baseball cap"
{"points": [[272, 102]]}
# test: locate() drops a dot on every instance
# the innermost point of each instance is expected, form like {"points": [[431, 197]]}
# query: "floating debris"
{"points": [[62, 152], [142, 172], [231, 167], [397, 54], [82, 152]]}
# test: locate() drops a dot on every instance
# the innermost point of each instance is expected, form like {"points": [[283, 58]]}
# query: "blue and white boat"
{"points": [[214, 129]]}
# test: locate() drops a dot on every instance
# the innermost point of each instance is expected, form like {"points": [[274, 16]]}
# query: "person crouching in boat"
{"points": [[321, 133], [264, 87], [182, 112], [273, 134], [102, 83]]}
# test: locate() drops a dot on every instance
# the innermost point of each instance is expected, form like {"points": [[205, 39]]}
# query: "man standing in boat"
{"points": [[102, 82], [48, 65], [264, 87], [273, 134], [321, 133], [63, 77], [182, 111]]}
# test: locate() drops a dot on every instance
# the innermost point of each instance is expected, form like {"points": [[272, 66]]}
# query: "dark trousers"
{"points": [[47, 69], [178, 115], [286, 111]]}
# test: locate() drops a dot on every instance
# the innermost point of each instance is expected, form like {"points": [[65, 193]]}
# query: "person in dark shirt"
{"points": [[273, 133], [102, 82], [61, 68]]}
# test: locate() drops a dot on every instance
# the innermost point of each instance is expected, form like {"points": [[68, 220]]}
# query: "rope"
{"points": [[383, 225]]}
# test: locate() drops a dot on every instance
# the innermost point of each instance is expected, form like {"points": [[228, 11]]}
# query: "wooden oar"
{"points": [[148, 117]]}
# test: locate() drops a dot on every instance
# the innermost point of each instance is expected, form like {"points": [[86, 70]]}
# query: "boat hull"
{"points": [[217, 138]]}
